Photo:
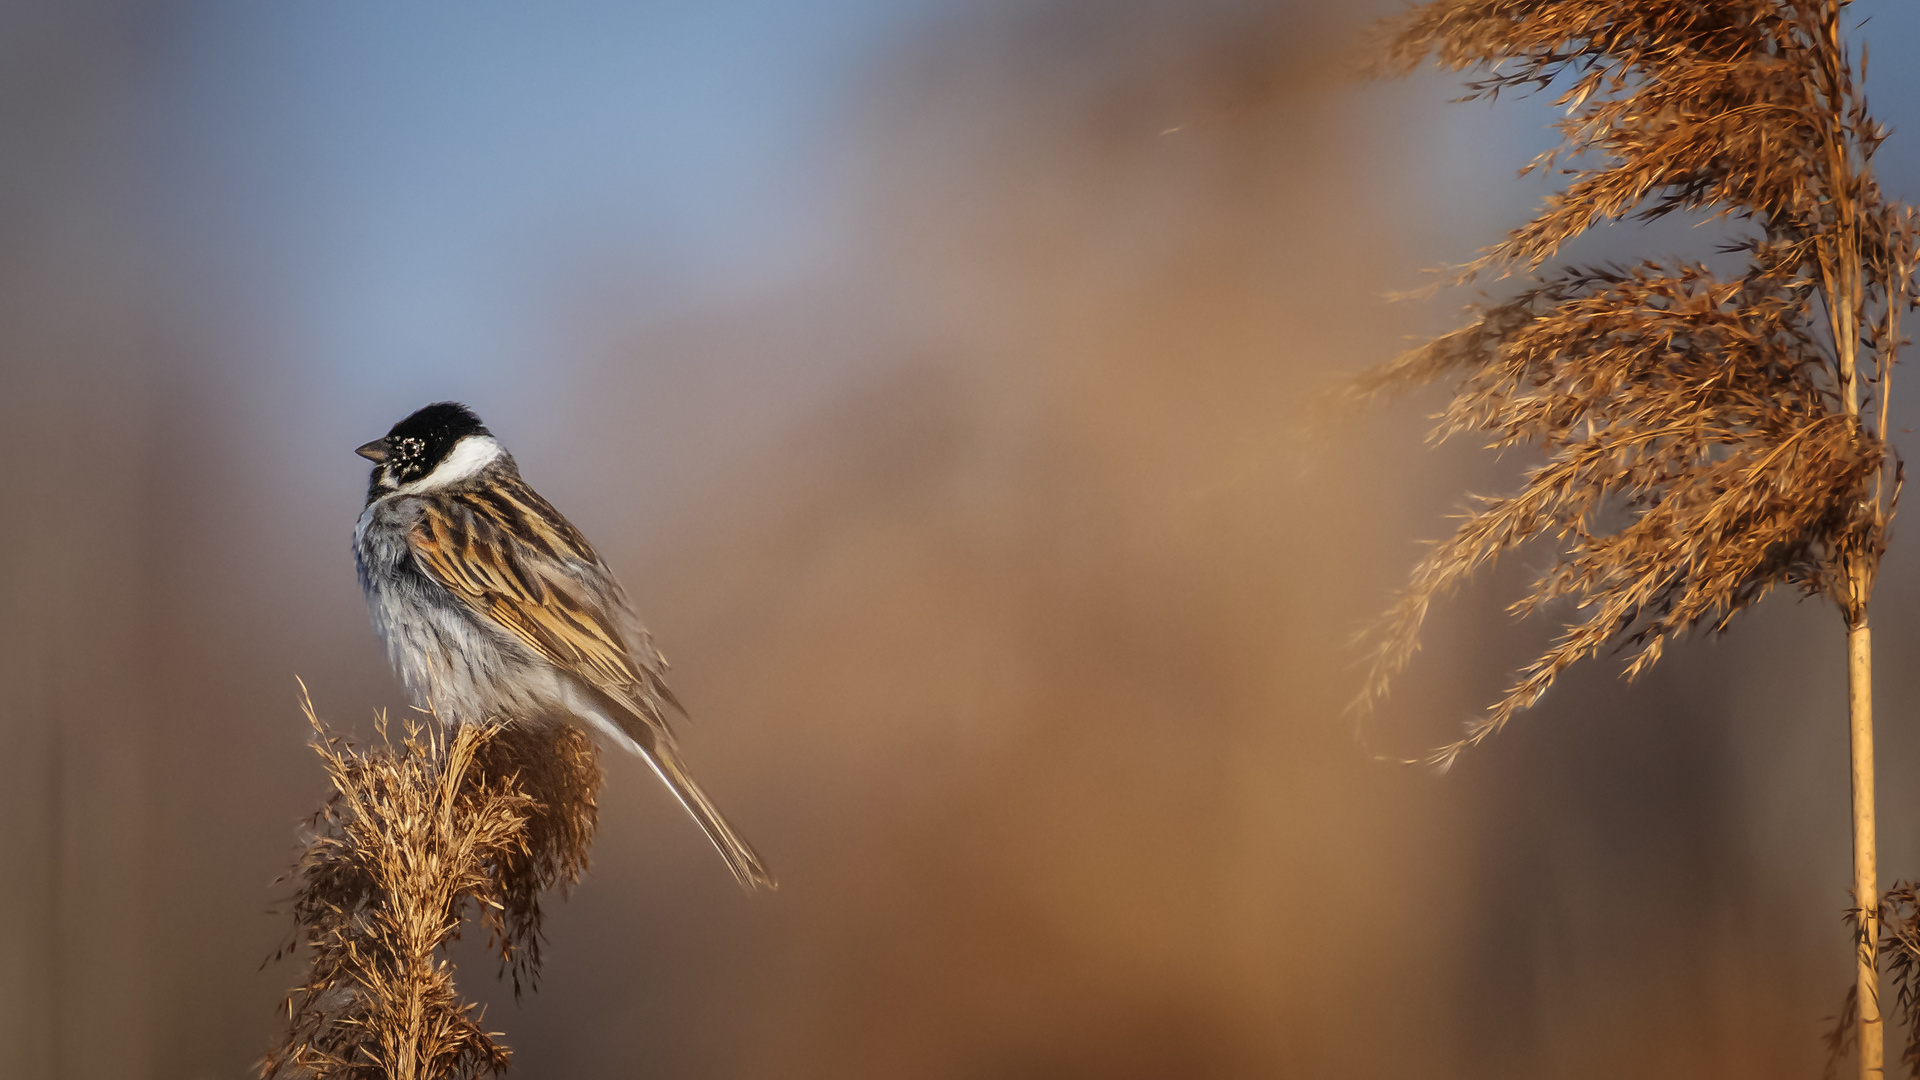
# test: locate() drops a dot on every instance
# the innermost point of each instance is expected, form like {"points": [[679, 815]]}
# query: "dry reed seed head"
{"points": [[1702, 107], [417, 831], [558, 767], [1705, 438]]}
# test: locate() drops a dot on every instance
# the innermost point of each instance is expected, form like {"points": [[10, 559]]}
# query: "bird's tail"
{"points": [[625, 721], [740, 856]]}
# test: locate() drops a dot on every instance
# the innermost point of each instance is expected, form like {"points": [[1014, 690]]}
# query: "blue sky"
{"points": [[389, 183]]}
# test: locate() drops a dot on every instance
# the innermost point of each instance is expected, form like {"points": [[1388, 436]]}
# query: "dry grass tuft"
{"points": [[1708, 438], [420, 831], [558, 766]]}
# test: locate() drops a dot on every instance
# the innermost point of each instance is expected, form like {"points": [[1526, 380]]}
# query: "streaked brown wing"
{"points": [[503, 558]]}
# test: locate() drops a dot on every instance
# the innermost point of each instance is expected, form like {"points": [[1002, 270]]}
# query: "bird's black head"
{"points": [[419, 444]]}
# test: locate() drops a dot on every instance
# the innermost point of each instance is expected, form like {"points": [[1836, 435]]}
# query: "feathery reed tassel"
{"points": [[421, 832], [1708, 437]]}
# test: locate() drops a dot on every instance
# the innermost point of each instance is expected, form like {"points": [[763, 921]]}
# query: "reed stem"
{"points": [[1866, 875]]}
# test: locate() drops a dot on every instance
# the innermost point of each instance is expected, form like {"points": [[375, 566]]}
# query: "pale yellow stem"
{"points": [[1866, 874]]}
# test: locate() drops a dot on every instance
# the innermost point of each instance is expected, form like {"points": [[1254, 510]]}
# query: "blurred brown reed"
{"points": [[422, 832]]}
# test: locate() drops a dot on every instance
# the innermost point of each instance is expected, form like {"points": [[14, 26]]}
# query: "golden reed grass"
{"points": [[1709, 436], [427, 832]]}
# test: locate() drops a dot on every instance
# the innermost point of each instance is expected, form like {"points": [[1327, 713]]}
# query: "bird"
{"points": [[493, 606]]}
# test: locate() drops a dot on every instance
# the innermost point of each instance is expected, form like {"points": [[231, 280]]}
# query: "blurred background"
{"points": [[931, 373]]}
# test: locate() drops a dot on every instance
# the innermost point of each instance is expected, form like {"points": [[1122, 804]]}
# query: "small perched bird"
{"points": [[493, 605]]}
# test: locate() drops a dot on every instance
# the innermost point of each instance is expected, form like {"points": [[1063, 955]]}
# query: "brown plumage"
{"points": [[494, 606], [481, 545], [498, 549]]}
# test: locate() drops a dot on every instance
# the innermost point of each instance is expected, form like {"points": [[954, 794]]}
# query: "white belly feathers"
{"points": [[451, 659]]}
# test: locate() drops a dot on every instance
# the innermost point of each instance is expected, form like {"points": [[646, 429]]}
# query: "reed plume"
{"points": [[424, 831], [1709, 437]]}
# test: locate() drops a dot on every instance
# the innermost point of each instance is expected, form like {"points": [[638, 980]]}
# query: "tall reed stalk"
{"points": [[1708, 436], [423, 832]]}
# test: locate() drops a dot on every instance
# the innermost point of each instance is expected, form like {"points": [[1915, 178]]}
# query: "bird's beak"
{"points": [[375, 451]]}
